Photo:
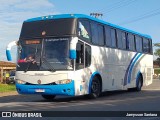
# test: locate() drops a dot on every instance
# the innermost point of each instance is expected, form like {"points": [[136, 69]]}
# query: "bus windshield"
{"points": [[45, 54]]}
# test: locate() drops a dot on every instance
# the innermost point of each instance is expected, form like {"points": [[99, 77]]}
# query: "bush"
{"points": [[157, 71]]}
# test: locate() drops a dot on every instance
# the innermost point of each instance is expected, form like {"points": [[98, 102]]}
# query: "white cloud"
{"points": [[12, 15]]}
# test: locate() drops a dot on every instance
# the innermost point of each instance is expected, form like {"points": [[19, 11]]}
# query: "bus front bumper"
{"points": [[60, 89]]}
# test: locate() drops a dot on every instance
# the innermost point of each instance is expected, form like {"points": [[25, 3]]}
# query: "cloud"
{"points": [[12, 15]]}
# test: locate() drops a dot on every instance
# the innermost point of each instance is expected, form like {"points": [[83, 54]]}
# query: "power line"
{"points": [[121, 5], [143, 16], [118, 5]]}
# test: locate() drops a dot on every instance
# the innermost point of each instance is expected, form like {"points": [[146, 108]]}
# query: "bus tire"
{"points": [[48, 97], [139, 83], [95, 88]]}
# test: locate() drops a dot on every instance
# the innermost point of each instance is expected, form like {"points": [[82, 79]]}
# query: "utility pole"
{"points": [[96, 15]]}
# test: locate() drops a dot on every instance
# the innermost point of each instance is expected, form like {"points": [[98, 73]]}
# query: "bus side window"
{"points": [[94, 30], [87, 55], [146, 45], [123, 40], [150, 45], [80, 55], [84, 30], [100, 35], [119, 39], [131, 42], [113, 38], [138, 44], [108, 36]]}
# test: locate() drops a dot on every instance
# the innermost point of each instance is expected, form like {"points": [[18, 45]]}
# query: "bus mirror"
{"points": [[8, 50], [72, 54], [72, 51]]}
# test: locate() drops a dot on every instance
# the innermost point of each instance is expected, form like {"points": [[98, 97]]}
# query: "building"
{"points": [[5, 67]]}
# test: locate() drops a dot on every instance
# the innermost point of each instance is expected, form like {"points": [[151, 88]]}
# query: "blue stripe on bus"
{"points": [[126, 74], [59, 89], [131, 67]]}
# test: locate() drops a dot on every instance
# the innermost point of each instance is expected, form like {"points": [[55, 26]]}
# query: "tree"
{"points": [[157, 53]]}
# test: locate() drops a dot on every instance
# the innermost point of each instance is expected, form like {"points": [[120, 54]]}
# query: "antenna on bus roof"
{"points": [[96, 15]]}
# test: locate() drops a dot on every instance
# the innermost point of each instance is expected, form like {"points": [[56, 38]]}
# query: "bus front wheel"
{"points": [[95, 88], [48, 97]]}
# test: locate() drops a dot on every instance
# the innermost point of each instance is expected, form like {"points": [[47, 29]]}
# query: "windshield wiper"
{"points": [[51, 68]]}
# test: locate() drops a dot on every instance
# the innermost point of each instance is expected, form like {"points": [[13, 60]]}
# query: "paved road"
{"points": [[146, 100]]}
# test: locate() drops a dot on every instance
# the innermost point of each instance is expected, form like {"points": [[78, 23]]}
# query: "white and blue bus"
{"points": [[75, 54]]}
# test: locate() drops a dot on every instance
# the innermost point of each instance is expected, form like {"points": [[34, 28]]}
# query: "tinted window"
{"points": [[123, 40], [84, 30], [51, 27], [138, 43], [119, 39], [94, 33], [151, 51], [146, 45], [108, 35], [100, 35], [113, 38], [80, 55], [87, 55], [131, 42]]}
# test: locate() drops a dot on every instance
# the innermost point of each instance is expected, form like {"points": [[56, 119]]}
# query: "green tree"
{"points": [[157, 53]]}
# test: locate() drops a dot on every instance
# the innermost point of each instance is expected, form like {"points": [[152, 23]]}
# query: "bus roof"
{"points": [[49, 17]]}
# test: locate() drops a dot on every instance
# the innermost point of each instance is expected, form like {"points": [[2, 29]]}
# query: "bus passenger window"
{"points": [[131, 42], [94, 33], [84, 30], [100, 35], [113, 38], [138, 44], [108, 36], [119, 39], [146, 45], [87, 55], [80, 55], [124, 40]]}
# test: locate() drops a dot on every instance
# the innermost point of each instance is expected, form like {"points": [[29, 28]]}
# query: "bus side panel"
{"points": [[82, 78], [119, 68], [141, 64]]}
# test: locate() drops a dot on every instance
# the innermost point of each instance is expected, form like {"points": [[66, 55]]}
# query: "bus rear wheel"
{"points": [[139, 83], [95, 88], [49, 97]]}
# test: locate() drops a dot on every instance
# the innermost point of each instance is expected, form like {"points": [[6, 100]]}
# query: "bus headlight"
{"points": [[21, 82], [63, 81]]}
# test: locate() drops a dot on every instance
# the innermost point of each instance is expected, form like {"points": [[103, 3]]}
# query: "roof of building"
{"points": [[7, 64], [50, 17]]}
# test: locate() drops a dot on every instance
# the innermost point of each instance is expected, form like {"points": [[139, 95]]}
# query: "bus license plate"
{"points": [[40, 90]]}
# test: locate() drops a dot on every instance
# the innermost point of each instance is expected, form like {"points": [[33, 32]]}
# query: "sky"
{"points": [[139, 15]]}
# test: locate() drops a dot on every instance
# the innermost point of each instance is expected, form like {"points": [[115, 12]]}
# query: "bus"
{"points": [[76, 54]]}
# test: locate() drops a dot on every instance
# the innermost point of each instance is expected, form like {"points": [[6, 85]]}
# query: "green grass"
{"points": [[157, 71], [7, 88]]}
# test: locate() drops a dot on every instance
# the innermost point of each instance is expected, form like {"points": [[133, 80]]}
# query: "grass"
{"points": [[7, 88], [157, 71]]}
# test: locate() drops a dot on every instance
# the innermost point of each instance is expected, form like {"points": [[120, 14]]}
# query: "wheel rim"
{"points": [[96, 87]]}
